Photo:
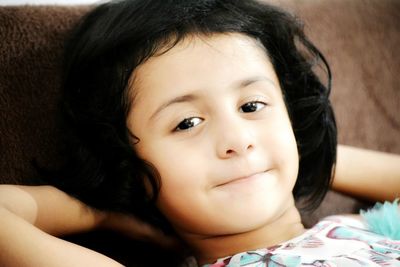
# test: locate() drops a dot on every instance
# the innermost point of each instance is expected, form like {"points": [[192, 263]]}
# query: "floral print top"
{"points": [[334, 241]]}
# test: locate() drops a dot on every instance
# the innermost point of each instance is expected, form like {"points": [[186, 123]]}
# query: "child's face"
{"points": [[211, 118]]}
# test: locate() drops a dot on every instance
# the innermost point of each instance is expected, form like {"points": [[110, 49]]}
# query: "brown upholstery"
{"points": [[360, 39]]}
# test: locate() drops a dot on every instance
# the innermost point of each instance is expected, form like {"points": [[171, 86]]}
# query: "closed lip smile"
{"points": [[240, 178]]}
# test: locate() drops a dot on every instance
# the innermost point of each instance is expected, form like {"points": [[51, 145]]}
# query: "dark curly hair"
{"points": [[115, 38]]}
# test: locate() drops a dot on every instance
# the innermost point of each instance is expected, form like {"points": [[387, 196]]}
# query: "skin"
{"points": [[30, 216], [35, 214], [223, 145], [367, 174]]}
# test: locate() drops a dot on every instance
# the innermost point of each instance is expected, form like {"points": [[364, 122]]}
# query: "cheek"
{"points": [[281, 143], [182, 196], [290, 156], [177, 166]]}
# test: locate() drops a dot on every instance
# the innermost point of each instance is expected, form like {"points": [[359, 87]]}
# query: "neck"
{"points": [[287, 226]]}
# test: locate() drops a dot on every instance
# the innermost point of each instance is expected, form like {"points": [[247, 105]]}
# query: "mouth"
{"points": [[242, 179]]}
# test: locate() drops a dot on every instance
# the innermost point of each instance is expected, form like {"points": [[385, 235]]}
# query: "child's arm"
{"points": [[367, 174], [28, 215]]}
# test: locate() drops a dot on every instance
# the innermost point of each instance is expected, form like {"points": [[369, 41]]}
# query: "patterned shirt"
{"points": [[334, 241]]}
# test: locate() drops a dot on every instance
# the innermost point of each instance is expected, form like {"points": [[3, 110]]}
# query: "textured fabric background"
{"points": [[360, 39], [31, 42]]}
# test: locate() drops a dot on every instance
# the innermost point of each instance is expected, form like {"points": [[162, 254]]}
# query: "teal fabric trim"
{"points": [[384, 219]]}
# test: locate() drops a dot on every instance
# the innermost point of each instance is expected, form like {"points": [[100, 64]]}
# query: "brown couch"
{"points": [[360, 39]]}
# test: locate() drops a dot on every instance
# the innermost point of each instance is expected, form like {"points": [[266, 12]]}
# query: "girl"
{"points": [[204, 119]]}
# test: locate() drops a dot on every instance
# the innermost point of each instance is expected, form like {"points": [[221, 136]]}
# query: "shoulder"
{"points": [[382, 219], [352, 220]]}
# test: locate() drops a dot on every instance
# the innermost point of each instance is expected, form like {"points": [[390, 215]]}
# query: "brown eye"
{"points": [[188, 123], [252, 107]]}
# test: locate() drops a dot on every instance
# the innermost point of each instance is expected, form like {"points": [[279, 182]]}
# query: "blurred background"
{"points": [[47, 2]]}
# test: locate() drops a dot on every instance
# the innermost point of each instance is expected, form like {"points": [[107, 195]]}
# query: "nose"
{"points": [[235, 138]]}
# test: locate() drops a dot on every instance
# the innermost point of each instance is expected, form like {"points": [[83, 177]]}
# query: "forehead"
{"points": [[199, 61]]}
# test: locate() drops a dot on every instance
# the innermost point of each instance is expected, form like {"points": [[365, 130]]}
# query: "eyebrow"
{"points": [[192, 97]]}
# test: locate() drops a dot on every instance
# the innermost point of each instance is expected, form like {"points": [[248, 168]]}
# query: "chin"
{"points": [[249, 221]]}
